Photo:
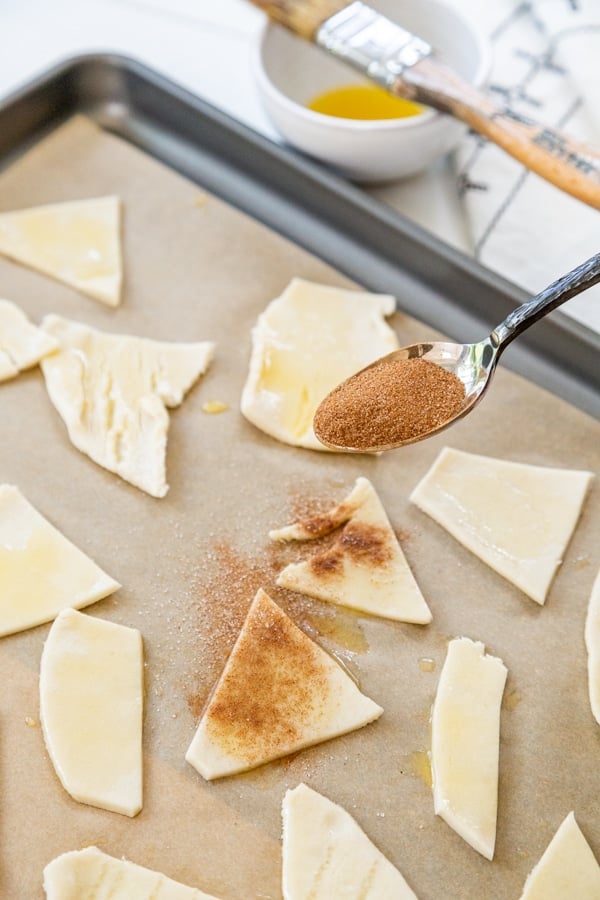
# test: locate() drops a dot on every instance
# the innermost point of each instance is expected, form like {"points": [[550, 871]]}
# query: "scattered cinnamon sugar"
{"points": [[360, 542], [393, 402]]}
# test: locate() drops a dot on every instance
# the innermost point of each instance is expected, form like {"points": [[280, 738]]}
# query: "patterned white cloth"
{"points": [[546, 65]]}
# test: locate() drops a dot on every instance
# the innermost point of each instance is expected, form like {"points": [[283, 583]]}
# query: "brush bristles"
{"points": [[303, 17]]}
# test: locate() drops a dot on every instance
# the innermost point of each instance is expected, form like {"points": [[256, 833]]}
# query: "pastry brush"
{"points": [[407, 66]]}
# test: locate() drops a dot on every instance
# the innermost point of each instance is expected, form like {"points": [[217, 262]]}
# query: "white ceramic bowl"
{"points": [[290, 72]]}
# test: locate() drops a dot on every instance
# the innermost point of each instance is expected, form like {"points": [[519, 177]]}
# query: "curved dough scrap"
{"points": [[41, 572], [112, 392], [77, 242], [92, 875], [465, 736], [279, 693], [568, 869], [22, 344], [592, 643], [304, 344], [517, 518], [364, 569], [91, 703], [326, 854]]}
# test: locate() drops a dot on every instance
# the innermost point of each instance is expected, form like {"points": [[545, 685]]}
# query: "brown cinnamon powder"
{"points": [[390, 403]]}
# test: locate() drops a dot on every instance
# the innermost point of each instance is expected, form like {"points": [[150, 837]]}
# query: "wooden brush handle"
{"points": [[571, 166]]}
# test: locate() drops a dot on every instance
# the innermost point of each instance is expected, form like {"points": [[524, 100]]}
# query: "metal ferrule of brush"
{"points": [[371, 43]]}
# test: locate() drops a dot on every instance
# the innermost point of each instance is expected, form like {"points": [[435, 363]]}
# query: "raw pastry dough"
{"points": [[41, 572], [568, 869], [465, 736], [279, 692], [77, 242], [326, 855], [112, 391], [304, 344], [592, 643], [516, 518], [92, 875], [22, 345], [364, 569], [91, 701]]}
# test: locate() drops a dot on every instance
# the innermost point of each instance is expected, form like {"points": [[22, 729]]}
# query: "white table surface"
{"points": [[207, 47]]}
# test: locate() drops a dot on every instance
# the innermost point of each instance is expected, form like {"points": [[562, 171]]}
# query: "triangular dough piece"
{"points": [[112, 391], [327, 855], [90, 875], [516, 518], [592, 643], [91, 704], [568, 869], [465, 743], [279, 692], [22, 345], [365, 568], [41, 572], [304, 344], [77, 242]]}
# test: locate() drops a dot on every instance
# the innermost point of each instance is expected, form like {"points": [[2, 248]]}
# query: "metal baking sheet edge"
{"points": [[333, 219]]}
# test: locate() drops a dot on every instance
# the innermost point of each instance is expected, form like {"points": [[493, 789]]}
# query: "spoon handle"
{"points": [[574, 282]]}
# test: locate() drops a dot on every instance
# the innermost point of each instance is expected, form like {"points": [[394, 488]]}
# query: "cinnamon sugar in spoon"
{"points": [[417, 391]]}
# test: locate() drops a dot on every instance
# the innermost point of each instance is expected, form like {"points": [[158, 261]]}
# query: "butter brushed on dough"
{"points": [[41, 572], [304, 344], [91, 704], [517, 518], [77, 242], [465, 735]]}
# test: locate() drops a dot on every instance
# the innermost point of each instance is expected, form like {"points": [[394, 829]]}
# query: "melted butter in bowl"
{"points": [[363, 101]]}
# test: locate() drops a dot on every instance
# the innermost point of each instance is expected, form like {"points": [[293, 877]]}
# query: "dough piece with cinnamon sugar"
{"points": [[365, 569], [279, 693]]}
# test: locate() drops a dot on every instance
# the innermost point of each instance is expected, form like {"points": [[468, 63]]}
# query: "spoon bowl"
{"points": [[472, 364]]}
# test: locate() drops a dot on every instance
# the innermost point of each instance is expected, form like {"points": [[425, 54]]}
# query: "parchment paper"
{"points": [[189, 564]]}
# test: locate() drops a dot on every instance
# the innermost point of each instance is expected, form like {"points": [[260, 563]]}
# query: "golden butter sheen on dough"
{"points": [[304, 344], [517, 518], [77, 242], [41, 572], [91, 704]]}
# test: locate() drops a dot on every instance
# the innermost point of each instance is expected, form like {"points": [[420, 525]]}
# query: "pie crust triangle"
{"points": [[517, 518], [91, 874], [326, 854], [365, 569], [465, 743], [307, 341], [77, 242], [22, 344], [567, 870], [113, 390], [41, 572], [91, 704], [279, 693]]}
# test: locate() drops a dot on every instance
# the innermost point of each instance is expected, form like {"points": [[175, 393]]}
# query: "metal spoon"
{"points": [[474, 364]]}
